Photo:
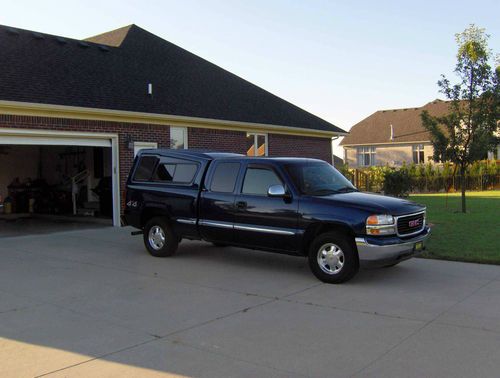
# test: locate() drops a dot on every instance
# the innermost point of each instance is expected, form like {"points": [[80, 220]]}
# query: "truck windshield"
{"points": [[318, 179]]}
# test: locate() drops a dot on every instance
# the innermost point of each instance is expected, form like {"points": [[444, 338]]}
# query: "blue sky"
{"points": [[339, 60]]}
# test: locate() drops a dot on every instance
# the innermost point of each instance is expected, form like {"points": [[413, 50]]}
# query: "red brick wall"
{"points": [[210, 139], [298, 146], [279, 144], [217, 140]]}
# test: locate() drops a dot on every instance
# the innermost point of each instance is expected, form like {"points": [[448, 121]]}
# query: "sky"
{"points": [[341, 60]]}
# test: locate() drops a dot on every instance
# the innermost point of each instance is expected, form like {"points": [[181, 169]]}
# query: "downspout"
{"points": [[331, 144]]}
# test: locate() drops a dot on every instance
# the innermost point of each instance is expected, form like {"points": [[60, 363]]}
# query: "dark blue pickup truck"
{"points": [[296, 206]]}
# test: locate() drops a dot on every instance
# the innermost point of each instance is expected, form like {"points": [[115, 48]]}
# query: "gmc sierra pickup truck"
{"points": [[297, 206]]}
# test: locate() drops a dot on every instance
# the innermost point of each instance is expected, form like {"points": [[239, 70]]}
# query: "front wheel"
{"points": [[332, 258], [159, 239]]}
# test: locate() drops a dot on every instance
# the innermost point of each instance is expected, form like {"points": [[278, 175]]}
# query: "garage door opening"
{"points": [[54, 188]]}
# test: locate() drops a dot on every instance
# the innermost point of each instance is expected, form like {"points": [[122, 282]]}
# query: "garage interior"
{"points": [[46, 188]]}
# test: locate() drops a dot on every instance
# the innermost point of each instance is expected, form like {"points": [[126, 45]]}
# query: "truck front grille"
{"points": [[411, 224]]}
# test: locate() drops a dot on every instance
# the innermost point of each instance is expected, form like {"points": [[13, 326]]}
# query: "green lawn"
{"points": [[472, 237]]}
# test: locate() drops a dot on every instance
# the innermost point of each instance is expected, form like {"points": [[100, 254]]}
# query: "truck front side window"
{"points": [[258, 180]]}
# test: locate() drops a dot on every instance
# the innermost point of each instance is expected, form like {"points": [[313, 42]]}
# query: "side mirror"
{"points": [[276, 191]]}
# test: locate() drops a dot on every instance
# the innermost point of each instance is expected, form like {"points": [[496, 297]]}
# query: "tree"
{"points": [[470, 129]]}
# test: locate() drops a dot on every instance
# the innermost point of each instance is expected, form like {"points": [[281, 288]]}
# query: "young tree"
{"points": [[470, 129]]}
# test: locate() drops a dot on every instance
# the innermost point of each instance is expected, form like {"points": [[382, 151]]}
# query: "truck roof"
{"points": [[215, 155]]}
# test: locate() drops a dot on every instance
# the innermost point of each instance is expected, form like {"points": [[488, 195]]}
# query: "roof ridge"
{"points": [[396, 109], [42, 35], [435, 101]]}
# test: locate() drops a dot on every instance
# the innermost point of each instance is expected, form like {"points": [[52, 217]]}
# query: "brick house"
{"points": [[73, 113], [391, 137]]}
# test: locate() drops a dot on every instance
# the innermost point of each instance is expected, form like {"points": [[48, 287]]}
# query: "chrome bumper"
{"points": [[371, 254]]}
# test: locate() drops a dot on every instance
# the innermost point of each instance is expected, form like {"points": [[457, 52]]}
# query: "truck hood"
{"points": [[374, 203]]}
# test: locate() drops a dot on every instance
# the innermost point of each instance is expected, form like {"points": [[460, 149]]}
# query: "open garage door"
{"points": [[61, 174]]}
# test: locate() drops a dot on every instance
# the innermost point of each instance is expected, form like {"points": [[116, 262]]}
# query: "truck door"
{"points": [[217, 212], [261, 220]]}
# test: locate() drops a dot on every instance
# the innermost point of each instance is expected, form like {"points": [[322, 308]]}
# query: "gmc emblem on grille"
{"points": [[414, 223]]}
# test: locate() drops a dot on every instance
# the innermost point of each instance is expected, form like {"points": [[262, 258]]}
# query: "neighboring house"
{"points": [[77, 111], [391, 137]]}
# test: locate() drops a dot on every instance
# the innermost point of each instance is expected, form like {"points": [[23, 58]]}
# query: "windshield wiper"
{"points": [[346, 189], [322, 192], [325, 192]]}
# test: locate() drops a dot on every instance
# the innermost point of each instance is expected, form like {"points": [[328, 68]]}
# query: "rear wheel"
{"points": [[332, 258], [159, 238]]}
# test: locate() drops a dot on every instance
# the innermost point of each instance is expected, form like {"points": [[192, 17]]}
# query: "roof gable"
{"points": [[112, 38], [406, 124], [113, 70]]}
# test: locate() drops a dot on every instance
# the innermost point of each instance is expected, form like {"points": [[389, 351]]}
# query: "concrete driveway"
{"points": [[94, 303]]}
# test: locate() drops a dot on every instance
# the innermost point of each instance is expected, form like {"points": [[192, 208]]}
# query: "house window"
{"points": [[178, 138], [418, 154], [257, 144], [143, 145], [366, 156]]}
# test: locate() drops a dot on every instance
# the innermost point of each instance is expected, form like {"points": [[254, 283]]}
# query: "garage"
{"points": [[54, 181], [74, 113]]}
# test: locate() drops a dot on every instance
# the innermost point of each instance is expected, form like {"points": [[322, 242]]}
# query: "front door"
{"points": [[263, 221]]}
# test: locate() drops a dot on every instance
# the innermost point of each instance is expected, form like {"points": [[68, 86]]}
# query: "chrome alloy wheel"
{"points": [[330, 258], [156, 237]]}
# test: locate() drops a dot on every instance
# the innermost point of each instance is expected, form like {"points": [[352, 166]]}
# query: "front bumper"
{"points": [[375, 252]]}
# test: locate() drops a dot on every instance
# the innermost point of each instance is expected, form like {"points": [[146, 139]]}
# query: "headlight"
{"points": [[380, 225]]}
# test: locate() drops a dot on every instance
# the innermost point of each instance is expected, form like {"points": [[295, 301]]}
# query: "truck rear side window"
{"points": [[176, 173], [144, 170], [258, 180], [224, 178]]}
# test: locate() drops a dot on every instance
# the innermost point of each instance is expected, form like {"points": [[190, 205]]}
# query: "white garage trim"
{"points": [[46, 141], [69, 138]]}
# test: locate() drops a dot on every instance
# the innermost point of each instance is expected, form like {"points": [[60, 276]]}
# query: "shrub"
{"points": [[397, 183], [377, 177]]}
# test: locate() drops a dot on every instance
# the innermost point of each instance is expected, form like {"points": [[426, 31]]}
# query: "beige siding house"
{"points": [[391, 137]]}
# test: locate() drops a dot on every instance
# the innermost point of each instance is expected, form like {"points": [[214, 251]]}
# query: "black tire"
{"points": [[220, 245], [391, 265], [160, 226], [344, 264]]}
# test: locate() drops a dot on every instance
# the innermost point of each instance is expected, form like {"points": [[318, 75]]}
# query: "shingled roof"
{"points": [[406, 123], [112, 71]]}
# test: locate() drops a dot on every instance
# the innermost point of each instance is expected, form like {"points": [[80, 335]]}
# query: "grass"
{"points": [[471, 237]]}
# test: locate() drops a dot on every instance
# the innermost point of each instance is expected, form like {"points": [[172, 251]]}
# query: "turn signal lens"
{"points": [[380, 230]]}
